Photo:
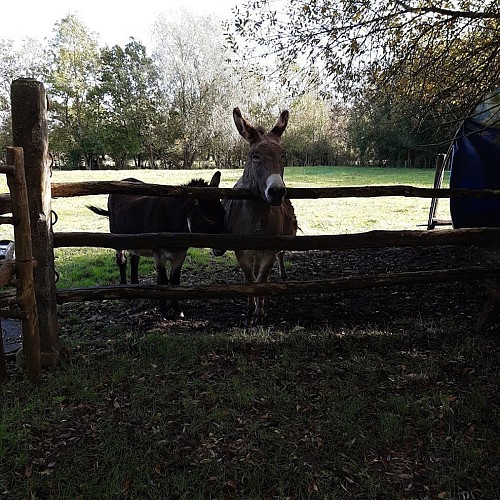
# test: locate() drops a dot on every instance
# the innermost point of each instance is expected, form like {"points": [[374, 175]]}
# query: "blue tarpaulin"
{"points": [[475, 163]]}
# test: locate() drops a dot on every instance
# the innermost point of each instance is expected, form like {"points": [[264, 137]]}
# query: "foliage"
{"points": [[190, 54], [367, 83], [378, 136], [429, 61], [311, 137], [72, 68], [16, 61], [128, 94]]}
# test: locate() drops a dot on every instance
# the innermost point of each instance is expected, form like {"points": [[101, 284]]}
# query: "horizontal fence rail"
{"points": [[481, 237], [484, 237], [273, 288], [69, 189]]}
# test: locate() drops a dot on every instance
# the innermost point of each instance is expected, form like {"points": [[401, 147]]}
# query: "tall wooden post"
{"points": [[24, 264], [29, 131]]}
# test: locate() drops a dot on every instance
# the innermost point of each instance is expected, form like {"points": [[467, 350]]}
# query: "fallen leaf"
{"points": [[313, 487], [232, 484]]}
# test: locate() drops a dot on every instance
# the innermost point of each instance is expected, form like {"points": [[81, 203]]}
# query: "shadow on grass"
{"points": [[408, 411]]}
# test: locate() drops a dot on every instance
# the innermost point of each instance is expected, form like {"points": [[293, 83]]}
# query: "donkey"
{"points": [[269, 214], [135, 214]]}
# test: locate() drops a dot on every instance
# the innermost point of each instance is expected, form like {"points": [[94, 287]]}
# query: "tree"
{"points": [[73, 62], [315, 135], [196, 78], [430, 60], [129, 92], [16, 61]]}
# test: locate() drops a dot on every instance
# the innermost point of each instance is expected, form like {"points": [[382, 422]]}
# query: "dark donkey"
{"points": [[135, 214], [269, 214]]}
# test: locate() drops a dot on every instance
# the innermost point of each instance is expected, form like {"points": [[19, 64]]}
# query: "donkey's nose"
{"points": [[276, 195]]}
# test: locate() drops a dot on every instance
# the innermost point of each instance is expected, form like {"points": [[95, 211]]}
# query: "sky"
{"points": [[113, 21]]}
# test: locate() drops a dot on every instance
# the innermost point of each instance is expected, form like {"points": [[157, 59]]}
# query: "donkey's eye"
{"points": [[255, 157]]}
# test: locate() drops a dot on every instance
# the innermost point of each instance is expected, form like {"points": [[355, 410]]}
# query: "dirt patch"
{"points": [[376, 306]]}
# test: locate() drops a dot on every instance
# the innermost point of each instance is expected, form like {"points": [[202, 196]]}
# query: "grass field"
{"points": [[87, 267], [406, 410], [322, 216]]}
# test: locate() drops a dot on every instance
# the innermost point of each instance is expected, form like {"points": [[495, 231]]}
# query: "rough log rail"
{"points": [[484, 237], [68, 189], [273, 288]]}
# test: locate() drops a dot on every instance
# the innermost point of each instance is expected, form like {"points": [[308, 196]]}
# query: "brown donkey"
{"points": [[269, 214]]}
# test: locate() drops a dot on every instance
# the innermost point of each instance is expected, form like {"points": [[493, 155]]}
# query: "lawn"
{"points": [[323, 216], [402, 409], [91, 266]]}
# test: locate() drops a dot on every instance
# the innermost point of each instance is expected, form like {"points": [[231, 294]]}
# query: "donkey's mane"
{"points": [[197, 183]]}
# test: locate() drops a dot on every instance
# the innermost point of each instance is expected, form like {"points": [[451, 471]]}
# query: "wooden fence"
{"points": [[45, 241]]}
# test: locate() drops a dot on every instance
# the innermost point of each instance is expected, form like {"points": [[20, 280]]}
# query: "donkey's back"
{"points": [[135, 214]]}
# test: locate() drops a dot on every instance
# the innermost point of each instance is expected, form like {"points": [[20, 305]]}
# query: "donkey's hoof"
{"points": [[172, 315], [178, 315]]}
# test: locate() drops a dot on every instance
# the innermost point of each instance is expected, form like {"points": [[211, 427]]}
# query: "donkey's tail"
{"points": [[98, 211]]}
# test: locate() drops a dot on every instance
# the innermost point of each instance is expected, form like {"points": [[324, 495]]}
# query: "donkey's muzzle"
{"points": [[276, 195]]}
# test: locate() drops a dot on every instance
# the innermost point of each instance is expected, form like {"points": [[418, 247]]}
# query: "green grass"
{"points": [[87, 267], [322, 216], [275, 414]]}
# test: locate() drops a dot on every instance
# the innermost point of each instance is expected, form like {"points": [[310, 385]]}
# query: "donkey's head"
{"points": [[263, 173], [208, 215]]}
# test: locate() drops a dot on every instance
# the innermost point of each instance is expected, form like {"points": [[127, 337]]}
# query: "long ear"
{"points": [[281, 124], [246, 130], [215, 180]]}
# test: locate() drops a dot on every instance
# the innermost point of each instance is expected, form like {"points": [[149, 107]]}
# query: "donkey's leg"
{"points": [[160, 259], [121, 261], [251, 304], [281, 265], [266, 263], [134, 268], [246, 263], [175, 279]]}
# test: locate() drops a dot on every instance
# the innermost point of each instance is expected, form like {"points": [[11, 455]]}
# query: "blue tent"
{"points": [[475, 163]]}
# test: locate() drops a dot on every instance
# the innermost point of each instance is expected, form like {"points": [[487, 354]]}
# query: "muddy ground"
{"points": [[376, 306]]}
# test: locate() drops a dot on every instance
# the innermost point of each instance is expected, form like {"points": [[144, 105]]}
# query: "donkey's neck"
{"points": [[262, 218]]}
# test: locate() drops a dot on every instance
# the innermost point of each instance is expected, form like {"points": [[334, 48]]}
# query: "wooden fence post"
{"points": [[29, 131], [24, 264]]}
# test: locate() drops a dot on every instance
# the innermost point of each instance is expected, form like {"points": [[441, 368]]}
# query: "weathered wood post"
{"points": [[29, 131], [24, 264]]}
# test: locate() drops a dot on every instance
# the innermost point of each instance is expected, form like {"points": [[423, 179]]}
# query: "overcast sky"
{"points": [[114, 21]]}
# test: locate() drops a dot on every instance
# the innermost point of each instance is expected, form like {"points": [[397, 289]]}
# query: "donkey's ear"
{"points": [[215, 180], [247, 131], [281, 124]]}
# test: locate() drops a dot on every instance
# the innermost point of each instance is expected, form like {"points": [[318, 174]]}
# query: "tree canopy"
{"points": [[431, 60], [366, 82]]}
